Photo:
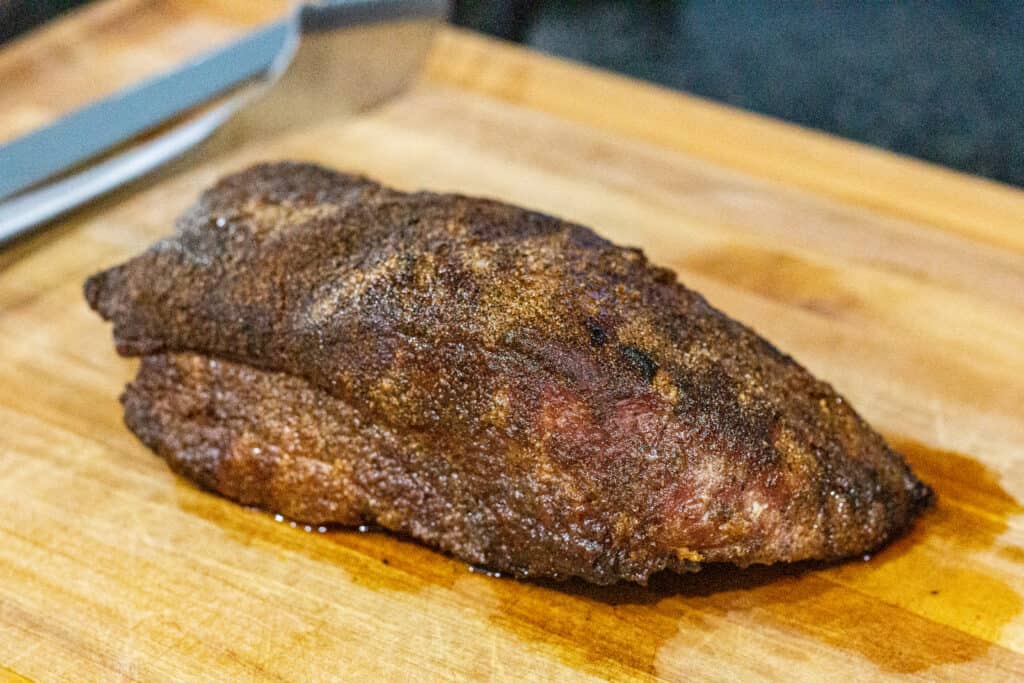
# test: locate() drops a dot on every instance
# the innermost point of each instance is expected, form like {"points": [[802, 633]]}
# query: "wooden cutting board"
{"points": [[901, 283]]}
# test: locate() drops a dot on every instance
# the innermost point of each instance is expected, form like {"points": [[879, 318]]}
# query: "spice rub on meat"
{"points": [[497, 383]]}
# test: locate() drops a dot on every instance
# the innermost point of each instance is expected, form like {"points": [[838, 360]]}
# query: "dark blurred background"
{"points": [[939, 80]]}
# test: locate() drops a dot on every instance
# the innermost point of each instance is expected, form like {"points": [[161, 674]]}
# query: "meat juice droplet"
{"points": [[309, 528], [473, 569]]}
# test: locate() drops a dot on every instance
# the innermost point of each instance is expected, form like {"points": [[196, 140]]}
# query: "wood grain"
{"points": [[109, 45], [912, 305], [751, 142]]}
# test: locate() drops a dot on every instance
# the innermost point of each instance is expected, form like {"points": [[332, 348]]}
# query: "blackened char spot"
{"points": [[709, 396], [640, 361], [598, 337]]}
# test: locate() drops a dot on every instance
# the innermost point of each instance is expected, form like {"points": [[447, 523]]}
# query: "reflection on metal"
{"points": [[358, 53]]}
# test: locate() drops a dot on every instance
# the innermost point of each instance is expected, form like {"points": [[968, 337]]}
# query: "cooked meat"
{"points": [[500, 384]]}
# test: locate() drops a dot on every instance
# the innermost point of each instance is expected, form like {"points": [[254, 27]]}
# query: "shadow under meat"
{"points": [[710, 580]]}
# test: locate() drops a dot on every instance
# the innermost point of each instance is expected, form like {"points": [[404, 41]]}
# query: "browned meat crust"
{"points": [[503, 385]]}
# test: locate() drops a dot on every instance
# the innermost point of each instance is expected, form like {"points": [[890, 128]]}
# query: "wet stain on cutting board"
{"points": [[844, 606], [605, 629], [1013, 553]]}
